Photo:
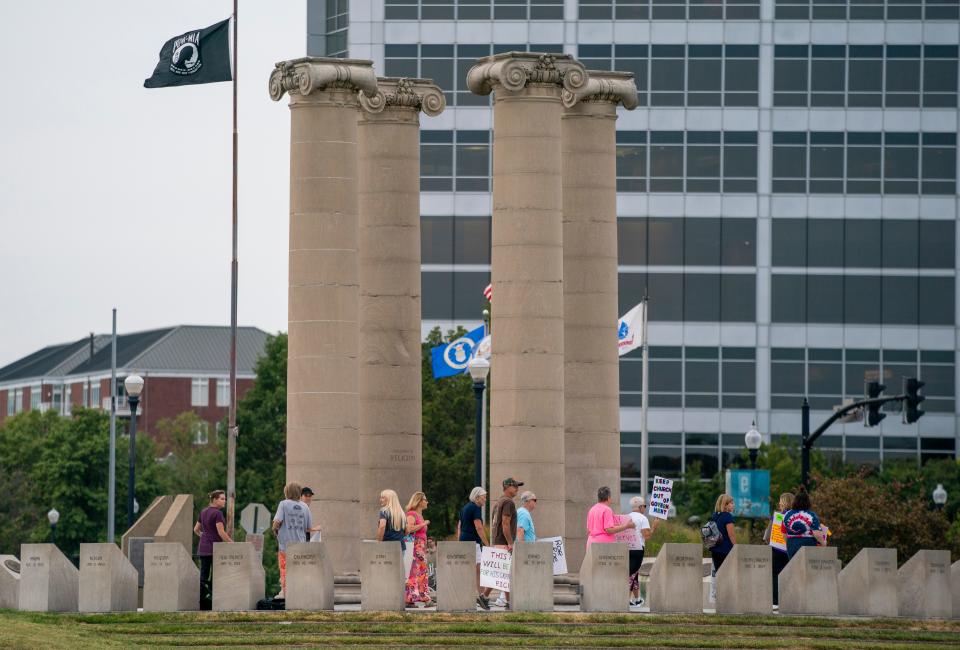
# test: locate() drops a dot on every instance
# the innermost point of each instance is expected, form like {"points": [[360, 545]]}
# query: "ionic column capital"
{"points": [[604, 86], [311, 74], [515, 70], [401, 92]]}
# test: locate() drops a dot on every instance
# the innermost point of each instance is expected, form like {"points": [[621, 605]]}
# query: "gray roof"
{"points": [[199, 349]]}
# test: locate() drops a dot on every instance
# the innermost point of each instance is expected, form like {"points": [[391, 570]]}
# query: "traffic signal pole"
{"points": [[808, 439]]}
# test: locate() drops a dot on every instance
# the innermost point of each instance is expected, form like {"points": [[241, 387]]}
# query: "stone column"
{"points": [[591, 407], [324, 292], [389, 200], [526, 439]]}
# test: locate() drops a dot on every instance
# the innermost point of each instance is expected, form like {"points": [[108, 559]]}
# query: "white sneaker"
{"points": [[776, 608], [499, 602]]}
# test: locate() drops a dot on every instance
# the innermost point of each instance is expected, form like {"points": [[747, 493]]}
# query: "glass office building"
{"points": [[787, 197]]}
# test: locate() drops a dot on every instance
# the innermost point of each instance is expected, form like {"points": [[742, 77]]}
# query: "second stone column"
{"points": [[324, 291], [591, 362], [389, 201], [527, 435]]}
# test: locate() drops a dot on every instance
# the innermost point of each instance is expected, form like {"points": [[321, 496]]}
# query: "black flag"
{"points": [[200, 56]]}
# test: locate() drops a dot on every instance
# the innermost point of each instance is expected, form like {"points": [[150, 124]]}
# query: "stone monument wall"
{"points": [[48, 580]]}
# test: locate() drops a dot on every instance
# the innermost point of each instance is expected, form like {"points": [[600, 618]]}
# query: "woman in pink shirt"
{"points": [[601, 523]]}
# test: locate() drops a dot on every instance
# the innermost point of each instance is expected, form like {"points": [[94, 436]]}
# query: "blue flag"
{"points": [[451, 359]]}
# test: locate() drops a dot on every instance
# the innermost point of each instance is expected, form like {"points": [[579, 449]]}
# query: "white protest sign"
{"points": [[495, 568], [630, 536], [660, 497], [559, 554]]}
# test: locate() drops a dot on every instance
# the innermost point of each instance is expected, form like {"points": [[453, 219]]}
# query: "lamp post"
{"points": [[53, 517], [479, 367], [134, 386], [752, 440], [939, 496]]}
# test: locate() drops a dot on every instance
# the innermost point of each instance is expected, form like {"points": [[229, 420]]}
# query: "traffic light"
{"points": [[912, 399], [873, 389]]}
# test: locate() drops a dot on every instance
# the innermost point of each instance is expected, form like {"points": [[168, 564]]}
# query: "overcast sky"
{"points": [[112, 195]]}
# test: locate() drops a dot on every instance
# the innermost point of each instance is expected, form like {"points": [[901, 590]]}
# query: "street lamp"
{"points": [[53, 517], [939, 496], [134, 386], [753, 439], [479, 367]]}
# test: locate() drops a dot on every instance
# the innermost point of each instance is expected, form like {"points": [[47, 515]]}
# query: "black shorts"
{"points": [[636, 559]]}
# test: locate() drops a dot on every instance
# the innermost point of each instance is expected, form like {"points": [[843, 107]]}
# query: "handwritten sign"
{"points": [[777, 539], [559, 554], [495, 568], [660, 497], [630, 536]]}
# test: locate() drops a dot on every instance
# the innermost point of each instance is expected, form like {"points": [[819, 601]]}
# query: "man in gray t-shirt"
{"points": [[291, 523]]}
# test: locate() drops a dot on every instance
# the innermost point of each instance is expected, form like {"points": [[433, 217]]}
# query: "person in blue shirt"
{"points": [[722, 515], [801, 526], [470, 529], [525, 529]]}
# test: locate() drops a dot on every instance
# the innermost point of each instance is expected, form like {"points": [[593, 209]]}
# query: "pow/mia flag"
{"points": [[200, 56]]}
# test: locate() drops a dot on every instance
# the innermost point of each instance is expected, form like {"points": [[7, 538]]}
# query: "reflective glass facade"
{"points": [[787, 198]]}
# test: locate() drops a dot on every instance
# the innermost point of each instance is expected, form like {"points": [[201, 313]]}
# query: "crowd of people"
{"points": [[509, 525]]}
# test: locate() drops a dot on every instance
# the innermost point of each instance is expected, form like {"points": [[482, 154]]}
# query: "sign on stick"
{"points": [[495, 568], [660, 497], [777, 539], [559, 555], [255, 518], [630, 536]]}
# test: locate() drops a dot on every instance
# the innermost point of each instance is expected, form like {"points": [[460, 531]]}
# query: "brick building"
{"points": [[184, 367]]}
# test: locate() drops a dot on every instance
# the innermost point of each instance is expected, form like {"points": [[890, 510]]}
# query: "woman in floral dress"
{"points": [[417, 589]]}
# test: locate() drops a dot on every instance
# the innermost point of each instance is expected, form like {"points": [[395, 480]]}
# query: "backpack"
{"points": [[710, 534], [271, 603]]}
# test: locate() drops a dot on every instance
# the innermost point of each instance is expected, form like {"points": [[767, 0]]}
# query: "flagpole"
{"points": [[644, 400], [232, 426]]}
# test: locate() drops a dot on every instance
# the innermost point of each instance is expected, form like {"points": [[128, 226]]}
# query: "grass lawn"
{"points": [[424, 630]]}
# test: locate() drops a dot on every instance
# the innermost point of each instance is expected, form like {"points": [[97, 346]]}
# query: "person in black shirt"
{"points": [[470, 529]]}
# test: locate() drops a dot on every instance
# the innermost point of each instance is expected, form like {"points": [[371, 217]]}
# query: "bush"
{"points": [[671, 531]]}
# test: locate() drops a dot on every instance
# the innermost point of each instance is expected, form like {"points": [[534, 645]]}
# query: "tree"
{"points": [[448, 439], [862, 513], [192, 469]]}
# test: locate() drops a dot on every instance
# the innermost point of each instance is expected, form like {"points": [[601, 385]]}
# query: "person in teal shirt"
{"points": [[528, 502]]}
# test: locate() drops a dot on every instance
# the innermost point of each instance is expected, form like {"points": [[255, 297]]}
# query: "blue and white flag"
{"points": [[451, 359], [628, 330]]}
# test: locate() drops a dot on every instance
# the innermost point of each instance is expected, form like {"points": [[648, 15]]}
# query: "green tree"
{"points": [[191, 469], [448, 439]]}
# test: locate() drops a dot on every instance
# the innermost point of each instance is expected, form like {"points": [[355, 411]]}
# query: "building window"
{"points": [[223, 392], [337, 21], [455, 161], [201, 431], [57, 397], [895, 76], [691, 161], [84, 400], [11, 402], [473, 10], [452, 295], [866, 10], [678, 10], [35, 396], [872, 163], [67, 399], [95, 394], [200, 392]]}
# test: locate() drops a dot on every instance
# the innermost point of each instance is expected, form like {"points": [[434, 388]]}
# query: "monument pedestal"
{"points": [[868, 584], [108, 582], [676, 580], [381, 577], [456, 577], [604, 578], [48, 580], [309, 576], [955, 587], [171, 581], [531, 577], [924, 586], [808, 584], [9, 582], [238, 580], [744, 581]]}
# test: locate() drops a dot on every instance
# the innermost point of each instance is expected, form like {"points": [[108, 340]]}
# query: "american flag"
{"points": [[488, 292]]}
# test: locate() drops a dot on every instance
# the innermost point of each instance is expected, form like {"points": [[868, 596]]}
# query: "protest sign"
{"points": [[559, 554], [630, 536], [495, 568], [777, 539], [660, 497]]}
